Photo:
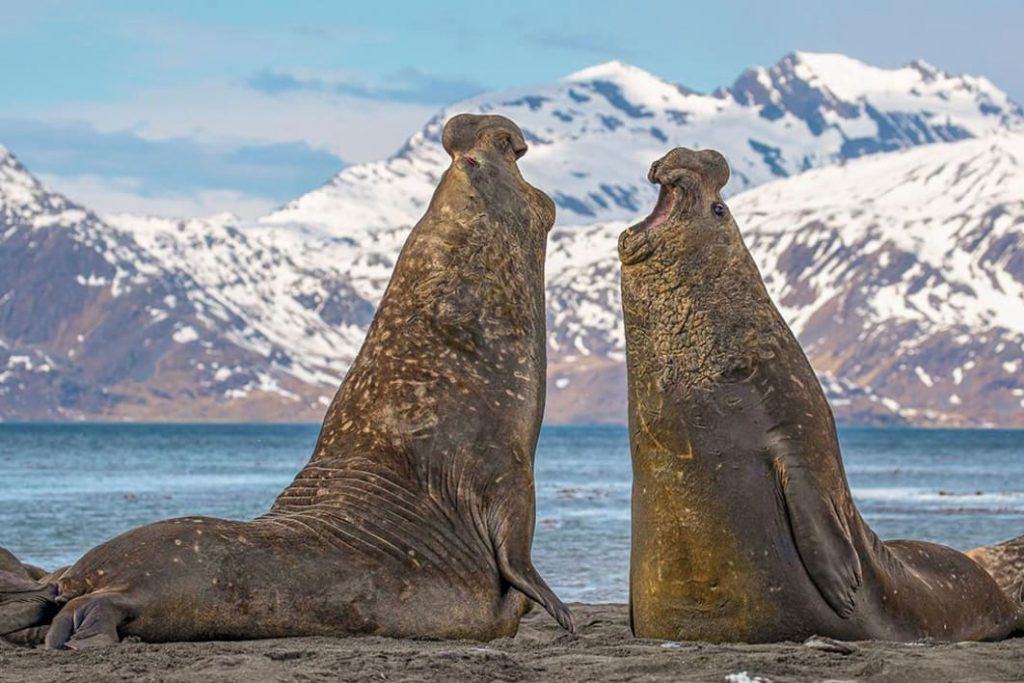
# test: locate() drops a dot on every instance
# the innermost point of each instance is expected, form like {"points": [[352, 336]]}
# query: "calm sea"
{"points": [[65, 488]]}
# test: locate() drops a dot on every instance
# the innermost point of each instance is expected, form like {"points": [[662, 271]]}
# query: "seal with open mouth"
{"points": [[415, 515], [744, 528]]}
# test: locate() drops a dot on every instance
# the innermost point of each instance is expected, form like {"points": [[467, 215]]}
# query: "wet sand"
{"points": [[603, 651]]}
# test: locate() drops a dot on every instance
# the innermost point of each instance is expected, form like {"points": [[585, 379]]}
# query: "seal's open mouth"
{"points": [[662, 210], [634, 244]]}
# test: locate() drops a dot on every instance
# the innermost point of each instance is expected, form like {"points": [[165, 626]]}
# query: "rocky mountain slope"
{"points": [[900, 266], [593, 134], [902, 275], [95, 325]]}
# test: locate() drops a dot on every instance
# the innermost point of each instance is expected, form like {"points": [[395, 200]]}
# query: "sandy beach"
{"points": [[603, 651]]}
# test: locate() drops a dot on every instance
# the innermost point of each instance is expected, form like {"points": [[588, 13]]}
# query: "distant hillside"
{"points": [[884, 207], [902, 274]]}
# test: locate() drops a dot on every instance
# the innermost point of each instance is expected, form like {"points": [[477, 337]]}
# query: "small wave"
{"points": [[925, 512], [940, 497], [920, 470], [133, 483], [581, 493]]}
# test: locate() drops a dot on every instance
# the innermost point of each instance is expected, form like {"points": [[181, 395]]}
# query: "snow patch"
{"points": [[185, 335]]}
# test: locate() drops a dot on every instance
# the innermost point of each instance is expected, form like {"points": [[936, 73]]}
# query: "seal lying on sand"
{"points": [[744, 528], [415, 515], [25, 600], [1005, 562]]}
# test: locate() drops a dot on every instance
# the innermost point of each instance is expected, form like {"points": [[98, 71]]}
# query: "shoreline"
{"points": [[604, 650]]}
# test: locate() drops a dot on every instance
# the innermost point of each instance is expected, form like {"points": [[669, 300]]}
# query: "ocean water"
{"points": [[65, 488]]}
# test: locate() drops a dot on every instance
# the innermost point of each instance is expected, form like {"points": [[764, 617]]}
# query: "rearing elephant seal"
{"points": [[415, 515], [744, 528]]}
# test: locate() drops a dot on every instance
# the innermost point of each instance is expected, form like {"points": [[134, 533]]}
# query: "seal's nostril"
{"points": [[652, 175]]}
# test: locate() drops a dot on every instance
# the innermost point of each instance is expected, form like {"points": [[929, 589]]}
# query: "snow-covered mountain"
{"points": [[901, 271], [593, 134], [902, 274], [94, 324], [287, 299]]}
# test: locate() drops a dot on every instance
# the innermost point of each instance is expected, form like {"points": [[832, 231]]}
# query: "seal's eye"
{"points": [[718, 208]]}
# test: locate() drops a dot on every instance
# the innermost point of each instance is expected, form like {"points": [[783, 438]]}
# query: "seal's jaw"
{"points": [[635, 243], [634, 247]]}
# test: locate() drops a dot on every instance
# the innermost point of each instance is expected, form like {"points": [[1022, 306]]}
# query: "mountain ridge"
{"points": [[638, 115], [269, 314]]}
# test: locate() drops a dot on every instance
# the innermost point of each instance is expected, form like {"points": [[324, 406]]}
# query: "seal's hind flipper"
{"points": [[86, 622], [27, 637], [821, 535], [1005, 562], [25, 603]]}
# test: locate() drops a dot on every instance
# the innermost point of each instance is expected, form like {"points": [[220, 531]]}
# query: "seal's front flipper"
{"points": [[1005, 562], [513, 554], [25, 603], [526, 580], [821, 532], [86, 622]]}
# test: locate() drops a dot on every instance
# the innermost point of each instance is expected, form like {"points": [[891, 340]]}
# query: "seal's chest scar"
{"points": [[654, 447]]}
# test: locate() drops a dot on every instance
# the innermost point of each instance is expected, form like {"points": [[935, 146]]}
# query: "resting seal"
{"points": [[25, 600], [744, 528], [415, 515], [1005, 562]]}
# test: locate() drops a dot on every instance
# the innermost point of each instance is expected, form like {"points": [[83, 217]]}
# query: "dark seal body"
{"points": [[744, 528], [415, 515]]}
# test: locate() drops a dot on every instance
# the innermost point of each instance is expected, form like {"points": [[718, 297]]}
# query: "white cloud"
{"points": [[120, 195], [355, 129]]}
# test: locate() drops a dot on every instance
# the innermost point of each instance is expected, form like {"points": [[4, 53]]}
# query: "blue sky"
{"points": [[193, 107]]}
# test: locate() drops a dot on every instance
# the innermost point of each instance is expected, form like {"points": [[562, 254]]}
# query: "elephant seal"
{"points": [[744, 528], [1005, 562], [415, 514], [9, 563], [23, 600]]}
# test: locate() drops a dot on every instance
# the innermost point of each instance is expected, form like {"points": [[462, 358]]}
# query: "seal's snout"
{"points": [[665, 172], [519, 145], [706, 167], [465, 132]]}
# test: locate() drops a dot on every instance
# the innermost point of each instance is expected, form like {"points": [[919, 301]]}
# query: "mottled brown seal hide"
{"points": [[744, 528], [415, 515]]}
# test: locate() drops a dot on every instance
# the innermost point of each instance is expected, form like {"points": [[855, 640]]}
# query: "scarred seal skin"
{"points": [[415, 515], [744, 528]]}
